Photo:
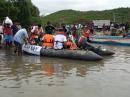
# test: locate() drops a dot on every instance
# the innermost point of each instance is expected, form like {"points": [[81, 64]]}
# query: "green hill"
{"points": [[72, 16]]}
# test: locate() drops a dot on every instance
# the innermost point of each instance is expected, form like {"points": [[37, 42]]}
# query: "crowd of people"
{"points": [[66, 36], [116, 29], [49, 37]]}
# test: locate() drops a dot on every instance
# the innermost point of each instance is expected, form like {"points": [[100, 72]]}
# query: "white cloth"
{"points": [[1, 29], [21, 35], [34, 28], [8, 21], [72, 38], [58, 41]]}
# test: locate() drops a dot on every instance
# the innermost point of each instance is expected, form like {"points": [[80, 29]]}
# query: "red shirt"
{"points": [[86, 33], [7, 31]]}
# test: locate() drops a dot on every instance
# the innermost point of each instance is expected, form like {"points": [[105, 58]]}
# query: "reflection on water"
{"points": [[34, 76], [15, 69]]}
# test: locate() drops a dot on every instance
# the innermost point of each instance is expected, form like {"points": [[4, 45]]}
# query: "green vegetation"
{"points": [[27, 13], [19, 10], [70, 16]]}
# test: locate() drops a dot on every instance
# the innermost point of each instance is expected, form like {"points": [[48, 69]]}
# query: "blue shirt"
{"points": [[21, 35]]}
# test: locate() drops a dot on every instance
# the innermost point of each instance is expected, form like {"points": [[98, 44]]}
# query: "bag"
{"points": [[8, 21]]}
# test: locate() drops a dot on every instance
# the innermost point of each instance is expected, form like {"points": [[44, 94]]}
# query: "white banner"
{"points": [[32, 49]]}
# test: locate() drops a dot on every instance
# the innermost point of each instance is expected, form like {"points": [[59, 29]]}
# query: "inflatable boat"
{"points": [[99, 50], [64, 53]]}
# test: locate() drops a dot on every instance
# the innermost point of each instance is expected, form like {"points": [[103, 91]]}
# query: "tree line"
{"points": [[22, 11], [118, 15]]}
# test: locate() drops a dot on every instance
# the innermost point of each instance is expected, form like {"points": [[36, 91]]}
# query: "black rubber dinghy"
{"points": [[98, 50], [65, 53], [101, 51], [71, 54]]}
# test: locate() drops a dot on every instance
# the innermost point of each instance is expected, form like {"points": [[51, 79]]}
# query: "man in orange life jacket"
{"points": [[48, 40]]}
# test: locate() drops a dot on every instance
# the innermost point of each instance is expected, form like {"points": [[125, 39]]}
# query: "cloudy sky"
{"points": [[50, 6]]}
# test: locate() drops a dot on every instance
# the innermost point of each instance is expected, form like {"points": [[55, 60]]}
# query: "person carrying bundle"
{"points": [[8, 34]]}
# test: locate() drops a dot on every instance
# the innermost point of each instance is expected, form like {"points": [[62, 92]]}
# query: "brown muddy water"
{"points": [[34, 76]]}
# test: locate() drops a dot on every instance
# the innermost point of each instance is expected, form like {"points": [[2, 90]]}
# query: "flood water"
{"points": [[34, 76]]}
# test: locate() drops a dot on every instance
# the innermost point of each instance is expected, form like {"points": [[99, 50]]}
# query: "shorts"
{"points": [[8, 38], [17, 44]]}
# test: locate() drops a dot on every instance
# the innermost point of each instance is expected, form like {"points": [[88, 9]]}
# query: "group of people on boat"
{"points": [[57, 38], [47, 37]]}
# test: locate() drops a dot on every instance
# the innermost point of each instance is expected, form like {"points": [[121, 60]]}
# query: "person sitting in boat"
{"points": [[33, 36], [36, 33], [49, 28], [83, 44], [39, 32], [60, 39], [48, 40], [70, 44], [86, 33]]}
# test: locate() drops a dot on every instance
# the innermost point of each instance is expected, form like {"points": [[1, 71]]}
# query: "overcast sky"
{"points": [[50, 6]]}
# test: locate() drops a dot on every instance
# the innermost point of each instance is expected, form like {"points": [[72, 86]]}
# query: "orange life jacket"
{"points": [[33, 36], [48, 40], [68, 43], [71, 45]]}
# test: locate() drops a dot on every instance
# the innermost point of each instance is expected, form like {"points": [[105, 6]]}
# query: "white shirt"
{"points": [[21, 35], [1, 29], [34, 28], [59, 39]]}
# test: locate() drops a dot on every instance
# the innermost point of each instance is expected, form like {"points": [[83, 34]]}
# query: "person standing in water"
{"points": [[20, 38]]}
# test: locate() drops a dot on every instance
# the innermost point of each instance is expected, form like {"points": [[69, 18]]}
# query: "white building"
{"points": [[100, 23]]}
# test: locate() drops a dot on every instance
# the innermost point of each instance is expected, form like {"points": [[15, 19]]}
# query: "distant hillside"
{"points": [[72, 16]]}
